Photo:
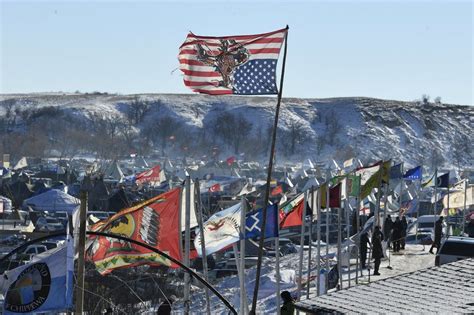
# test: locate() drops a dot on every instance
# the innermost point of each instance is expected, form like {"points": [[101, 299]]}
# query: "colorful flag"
{"points": [[151, 176], [294, 216], [461, 185], [154, 222], [456, 199], [244, 64], [230, 160], [443, 181], [414, 173], [277, 190], [43, 285], [429, 182], [215, 187], [220, 230], [334, 196], [253, 223]]}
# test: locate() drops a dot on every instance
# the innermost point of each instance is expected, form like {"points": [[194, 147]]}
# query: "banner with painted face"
{"points": [[154, 222]]}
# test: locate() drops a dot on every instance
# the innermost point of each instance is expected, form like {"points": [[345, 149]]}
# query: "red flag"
{"points": [[335, 196], [154, 222], [230, 160], [215, 187], [292, 218], [150, 176], [277, 190]]}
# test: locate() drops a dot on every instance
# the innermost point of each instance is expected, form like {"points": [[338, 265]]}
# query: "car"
{"points": [[426, 223], [48, 224], [454, 248]]}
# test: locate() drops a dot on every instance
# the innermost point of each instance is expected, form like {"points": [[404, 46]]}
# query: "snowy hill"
{"points": [[198, 125]]}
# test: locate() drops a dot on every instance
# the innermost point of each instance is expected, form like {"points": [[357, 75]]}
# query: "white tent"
{"points": [[115, 172], [5, 204], [53, 200]]}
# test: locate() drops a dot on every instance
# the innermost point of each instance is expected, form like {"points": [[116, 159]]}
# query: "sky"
{"points": [[385, 49]]}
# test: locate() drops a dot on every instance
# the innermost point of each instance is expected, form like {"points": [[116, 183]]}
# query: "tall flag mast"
{"points": [[245, 65]]}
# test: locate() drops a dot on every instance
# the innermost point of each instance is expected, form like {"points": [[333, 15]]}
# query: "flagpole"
{"points": [[81, 254], [447, 214], [243, 294], [348, 232], [402, 183], [339, 241], [318, 236], [269, 176], [358, 231], [328, 176], [203, 244], [302, 239], [277, 262], [310, 239], [435, 197], [187, 241], [466, 183]]}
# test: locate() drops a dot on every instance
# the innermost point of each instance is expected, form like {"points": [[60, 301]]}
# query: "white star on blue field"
{"points": [[256, 77]]}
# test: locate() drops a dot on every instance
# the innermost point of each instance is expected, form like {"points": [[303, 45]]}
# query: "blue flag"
{"points": [[414, 173], [43, 285], [253, 223]]}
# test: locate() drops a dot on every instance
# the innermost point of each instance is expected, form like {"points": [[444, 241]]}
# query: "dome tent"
{"points": [[52, 201]]}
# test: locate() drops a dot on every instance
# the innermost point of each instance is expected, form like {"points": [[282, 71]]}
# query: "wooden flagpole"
{"points": [[269, 176], [203, 244], [466, 183], [243, 293]]}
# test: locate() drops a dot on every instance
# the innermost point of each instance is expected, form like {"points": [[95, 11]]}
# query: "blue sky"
{"points": [[393, 50]]}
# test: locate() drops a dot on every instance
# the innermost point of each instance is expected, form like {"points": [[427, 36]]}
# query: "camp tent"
{"points": [[53, 200]]}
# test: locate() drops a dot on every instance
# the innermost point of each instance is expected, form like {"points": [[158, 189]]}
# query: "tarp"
{"points": [[53, 200]]}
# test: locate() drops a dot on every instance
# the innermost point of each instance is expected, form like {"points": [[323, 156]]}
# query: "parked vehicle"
{"points": [[455, 248], [48, 224], [426, 223]]}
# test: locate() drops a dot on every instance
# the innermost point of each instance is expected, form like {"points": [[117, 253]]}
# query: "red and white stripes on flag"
{"points": [[242, 64]]}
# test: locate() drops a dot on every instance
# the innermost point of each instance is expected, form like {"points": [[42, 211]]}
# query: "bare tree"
{"points": [[232, 129]]}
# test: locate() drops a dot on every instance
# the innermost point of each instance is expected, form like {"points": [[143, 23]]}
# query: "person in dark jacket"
{"points": [[437, 235], [288, 307], [387, 230], [377, 249], [165, 307], [364, 241], [397, 234], [404, 232]]}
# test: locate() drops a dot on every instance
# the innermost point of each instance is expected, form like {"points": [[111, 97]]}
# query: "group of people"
{"points": [[395, 232]]}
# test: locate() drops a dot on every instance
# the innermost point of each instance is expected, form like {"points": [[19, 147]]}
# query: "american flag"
{"points": [[243, 64]]}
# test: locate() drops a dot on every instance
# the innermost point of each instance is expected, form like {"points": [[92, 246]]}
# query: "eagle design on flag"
{"points": [[226, 61]]}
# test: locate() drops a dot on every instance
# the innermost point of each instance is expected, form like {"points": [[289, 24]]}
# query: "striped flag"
{"points": [[243, 64]]}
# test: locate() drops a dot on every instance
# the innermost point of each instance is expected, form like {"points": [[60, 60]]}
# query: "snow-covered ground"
{"points": [[414, 257]]}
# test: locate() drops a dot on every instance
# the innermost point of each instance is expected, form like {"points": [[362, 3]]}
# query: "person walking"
{"points": [[387, 230], [364, 242], [397, 235], [437, 235], [377, 250], [404, 232], [288, 307]]}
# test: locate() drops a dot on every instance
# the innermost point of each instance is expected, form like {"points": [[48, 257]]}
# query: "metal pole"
{"points": [[402, 183], [447, 215], [358, 232], [310, 239], [328, 184], [318, 236], [302, 239], [339, 240], [348, 232], [435, 207], [203, 244], [269, 176], [243, 294], [187, 241], [466, 182], [81, 254], [277, 262]]}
